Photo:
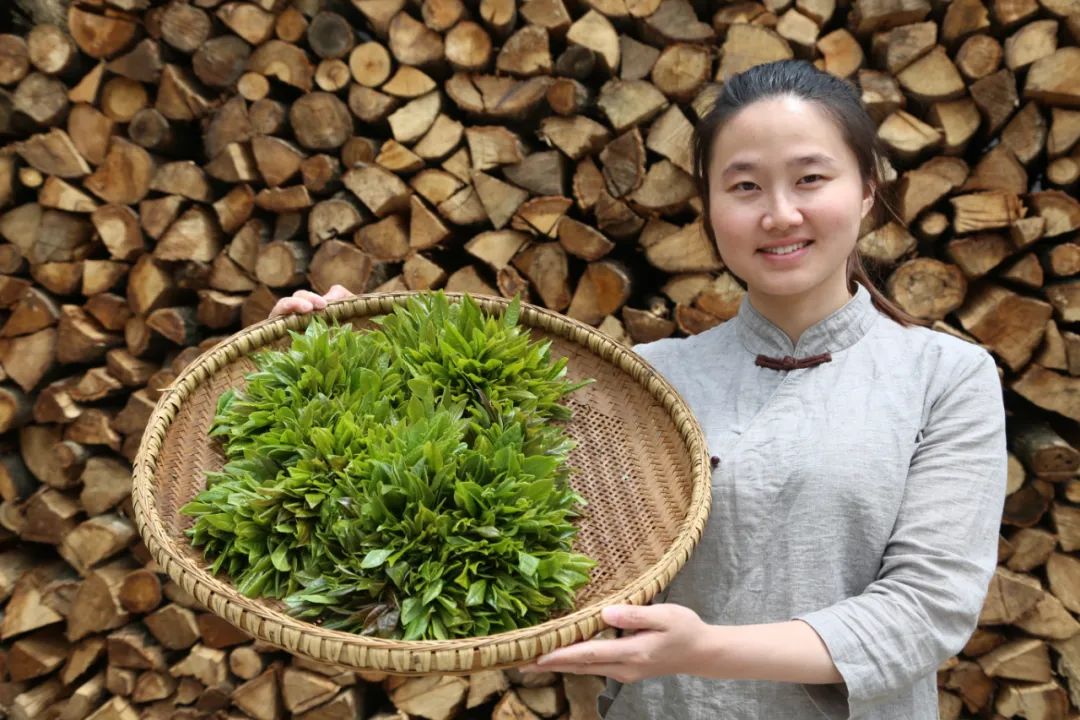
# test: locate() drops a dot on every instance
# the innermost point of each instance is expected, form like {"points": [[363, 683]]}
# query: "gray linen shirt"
{"points": [[862, 496]]}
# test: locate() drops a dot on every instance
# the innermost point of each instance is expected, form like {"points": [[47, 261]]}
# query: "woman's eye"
{"points": [[744, 186], [811, 178]]}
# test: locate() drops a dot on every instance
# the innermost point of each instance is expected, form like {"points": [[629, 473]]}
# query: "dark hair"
{"points": [[840, 101]]}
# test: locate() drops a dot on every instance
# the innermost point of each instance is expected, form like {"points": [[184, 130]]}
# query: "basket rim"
{"points": [[414, 657]]}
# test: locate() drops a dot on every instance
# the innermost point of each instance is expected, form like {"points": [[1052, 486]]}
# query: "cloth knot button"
{"points": [[791, 363]]}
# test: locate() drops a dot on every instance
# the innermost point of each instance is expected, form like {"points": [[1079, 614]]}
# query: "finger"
{"points": [[612, 670], [316, 300], [636, 617], [291, 305], [337, 292], [281, 307], [589, 653]]}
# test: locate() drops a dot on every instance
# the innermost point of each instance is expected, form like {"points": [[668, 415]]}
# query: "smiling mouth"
{"points": [[786, 249]]}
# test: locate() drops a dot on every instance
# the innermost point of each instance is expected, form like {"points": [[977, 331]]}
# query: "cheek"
{"points": [[732, 224], [840, 214]]}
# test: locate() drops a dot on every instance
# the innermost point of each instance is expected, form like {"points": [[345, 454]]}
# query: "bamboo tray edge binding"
{"points": [[456, 656]]}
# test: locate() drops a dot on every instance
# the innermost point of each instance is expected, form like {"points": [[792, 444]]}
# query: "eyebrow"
{"points": [[801, 161]]}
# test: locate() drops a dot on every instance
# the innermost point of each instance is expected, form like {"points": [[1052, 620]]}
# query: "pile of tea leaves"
{"points": [[408, 481]]}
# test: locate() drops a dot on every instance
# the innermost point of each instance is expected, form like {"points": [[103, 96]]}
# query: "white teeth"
{"points": [[785, 249]]}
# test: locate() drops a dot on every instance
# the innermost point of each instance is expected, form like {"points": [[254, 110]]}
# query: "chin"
{"points": [[781, 286]]}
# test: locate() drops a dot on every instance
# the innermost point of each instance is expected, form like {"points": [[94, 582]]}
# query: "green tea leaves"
{"points": [[375, 558], [279, 558], [527, 564], [409, 481]]}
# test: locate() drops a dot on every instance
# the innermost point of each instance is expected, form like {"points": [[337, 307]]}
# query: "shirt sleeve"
{"points": [[647, 351], [925, 602]]}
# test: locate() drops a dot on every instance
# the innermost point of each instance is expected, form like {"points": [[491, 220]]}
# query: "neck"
{"points": [[795, 313]]}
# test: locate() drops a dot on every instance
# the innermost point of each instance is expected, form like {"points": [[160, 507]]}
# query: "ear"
{"points": [[869, 196]]}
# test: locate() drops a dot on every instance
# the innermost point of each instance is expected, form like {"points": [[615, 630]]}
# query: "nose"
{"points": [[781, 213]]}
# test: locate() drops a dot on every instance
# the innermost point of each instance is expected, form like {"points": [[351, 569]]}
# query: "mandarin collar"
{"points": [[837, 331]]}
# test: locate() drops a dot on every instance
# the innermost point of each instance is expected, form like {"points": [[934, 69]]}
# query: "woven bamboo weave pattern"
{"points": [[640, 463]]}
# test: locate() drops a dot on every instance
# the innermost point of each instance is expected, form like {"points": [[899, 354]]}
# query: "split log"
{"points": [[42, 99], [432, 697], [412, 43], [283, 61], [132, 648], [246, 663], [380, 191], [173, 626], [500, 200], [83, 656], [54, 153], [603, 289], [1031, 548], [143, 64], [546, 268], [1049, 390], [97, 606], [218, 633], [36, 655], [575, 136], [26, 609], [1040, 701], [747, 45], [927, 288], [37, 444], [896, 49], [907, 136], [627, 103], [1044, 452], [1061, 571], [95, 540], [1013, 344], [33, 702], [260, 697], [595, 32], [842, 54], [206, 665], [302, 691], [1050, 78], [672, 249], [1060, 211]]}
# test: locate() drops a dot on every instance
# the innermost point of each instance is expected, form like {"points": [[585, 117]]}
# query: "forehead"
{"points": [[779, 128]]}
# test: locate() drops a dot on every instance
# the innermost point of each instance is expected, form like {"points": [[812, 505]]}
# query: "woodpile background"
{"points": [[170, 169]]}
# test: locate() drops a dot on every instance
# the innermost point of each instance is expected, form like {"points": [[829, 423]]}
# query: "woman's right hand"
{"points": [[305, 301]]}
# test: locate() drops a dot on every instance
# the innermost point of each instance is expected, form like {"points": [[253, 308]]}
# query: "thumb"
{"points": [[636, 617]]}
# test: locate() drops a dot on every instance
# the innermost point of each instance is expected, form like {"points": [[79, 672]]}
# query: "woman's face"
{"points": [[786, 198]]}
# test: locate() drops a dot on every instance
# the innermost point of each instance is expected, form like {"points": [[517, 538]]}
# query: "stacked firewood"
{"points": [[170, 169]]}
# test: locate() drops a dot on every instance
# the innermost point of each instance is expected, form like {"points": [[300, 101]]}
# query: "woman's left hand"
{"points": [[667, 639]]}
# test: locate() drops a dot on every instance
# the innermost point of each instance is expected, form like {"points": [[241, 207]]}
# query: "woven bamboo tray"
{"points": [[641, 464]]}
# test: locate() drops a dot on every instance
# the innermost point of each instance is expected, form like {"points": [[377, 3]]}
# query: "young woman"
{"points": [[861, 456]]}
